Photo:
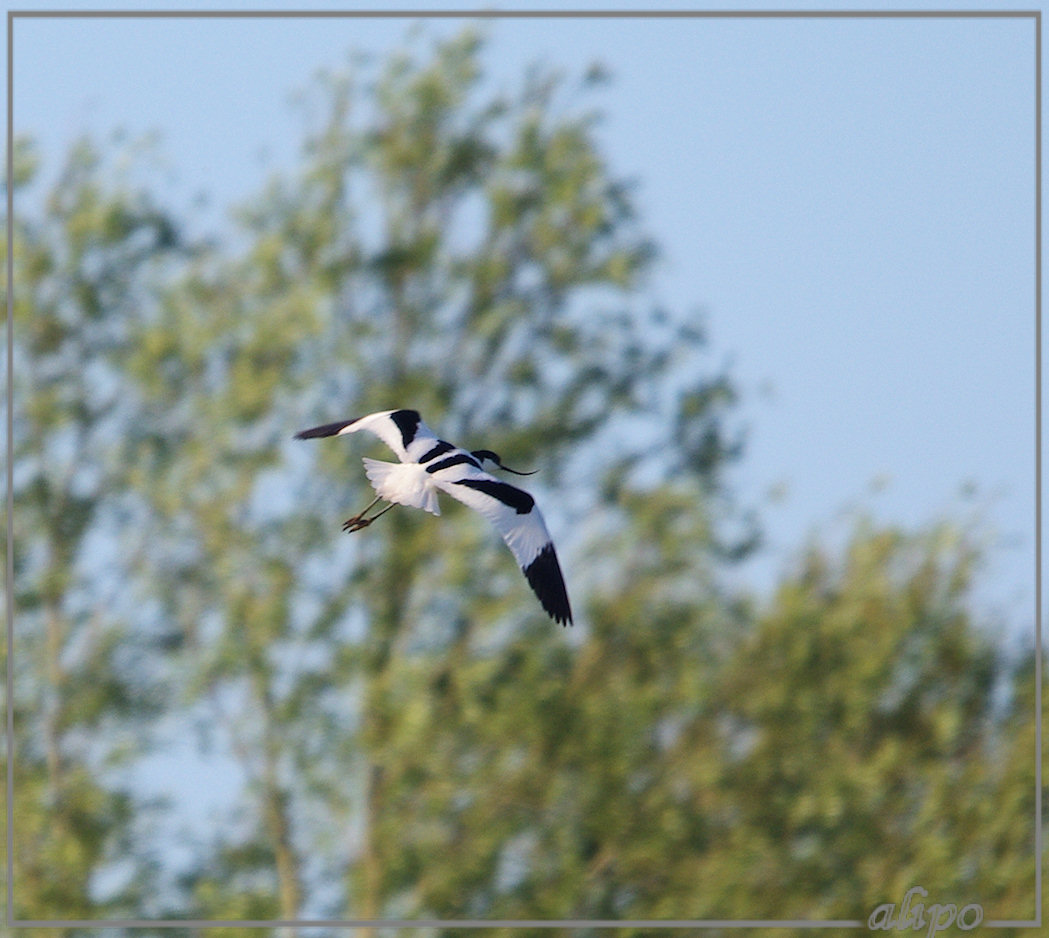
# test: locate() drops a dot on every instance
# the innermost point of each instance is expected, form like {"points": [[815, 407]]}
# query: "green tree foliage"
{"points": [[82, 689], [858, 747], [1000, 810], [470, 257], [691, 760]]}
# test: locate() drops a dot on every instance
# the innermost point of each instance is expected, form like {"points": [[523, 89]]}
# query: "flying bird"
{"points": [[428, 465]]}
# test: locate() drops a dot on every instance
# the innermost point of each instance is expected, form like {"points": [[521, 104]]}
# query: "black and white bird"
{"points": [[428, 465]]}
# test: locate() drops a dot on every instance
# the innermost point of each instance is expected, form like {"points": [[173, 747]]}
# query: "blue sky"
{"points": [[850, 203]]}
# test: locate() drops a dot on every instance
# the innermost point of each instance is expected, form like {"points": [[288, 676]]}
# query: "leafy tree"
{"points": [[1001, 810], [857, 744], [82, 694], [472, 257]]}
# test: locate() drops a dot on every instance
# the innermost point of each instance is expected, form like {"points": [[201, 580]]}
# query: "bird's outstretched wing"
{"points": [[401, 430], [515, 516]]}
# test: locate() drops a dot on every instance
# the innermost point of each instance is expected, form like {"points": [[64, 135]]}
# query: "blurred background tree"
{"points": [[414, 738], [86, 679]]}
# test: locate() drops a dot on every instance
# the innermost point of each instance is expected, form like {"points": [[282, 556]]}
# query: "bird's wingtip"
{"points": [[545, 578], [326, 429]]}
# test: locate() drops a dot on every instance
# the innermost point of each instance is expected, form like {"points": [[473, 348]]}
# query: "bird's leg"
{"points": [[353, 524], [359, 521]]}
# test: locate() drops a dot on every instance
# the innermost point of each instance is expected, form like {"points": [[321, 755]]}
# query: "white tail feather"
{"points": [[403, 483]]}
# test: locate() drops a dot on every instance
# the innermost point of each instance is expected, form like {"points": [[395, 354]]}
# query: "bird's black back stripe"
{"points": [[544, 576], [457, 460], [328, 429], [407, 422], [515, 498], [441, 447]]}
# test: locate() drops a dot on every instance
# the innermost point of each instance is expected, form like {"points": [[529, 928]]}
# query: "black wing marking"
{"points": [[327, 429], [459, 459], [547, 582], [511, 496], [440, 449], [408, 423]]}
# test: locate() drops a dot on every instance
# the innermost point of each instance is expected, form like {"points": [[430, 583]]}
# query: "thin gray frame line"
{"points": [[470, 923], [439, 923], [528, 14], [1036, 15], [1038, 463], [9, 566]]}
